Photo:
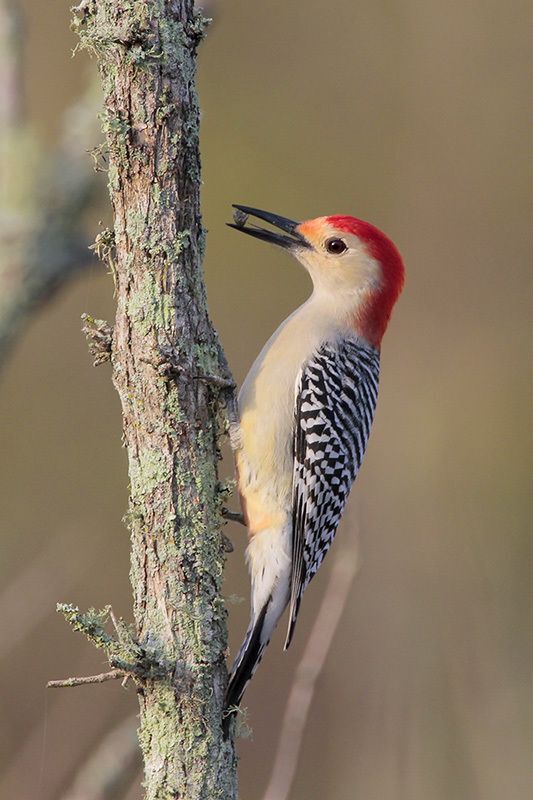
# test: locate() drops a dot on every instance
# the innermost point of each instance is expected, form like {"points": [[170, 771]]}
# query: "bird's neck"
{"points": [[347, 314]]}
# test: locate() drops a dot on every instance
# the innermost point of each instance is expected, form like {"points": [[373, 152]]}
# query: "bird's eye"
{"points": [[335, 246]]}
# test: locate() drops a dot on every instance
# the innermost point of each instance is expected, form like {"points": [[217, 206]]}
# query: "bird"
{"points": [[306, 408]]}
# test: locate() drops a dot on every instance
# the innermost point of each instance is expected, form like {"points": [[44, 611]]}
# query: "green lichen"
{"points": [[148, 471], [100, 28], [206, 357], [181, 242], [148, 307], [117, 131], [173, 409], [165, 106], [199, 25], [91, 623], [113, 179], [135, 225], [123, 653], [174, 54], [104, 244]]}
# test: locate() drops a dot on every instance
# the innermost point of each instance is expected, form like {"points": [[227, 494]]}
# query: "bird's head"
{"points": [[355, 268]]}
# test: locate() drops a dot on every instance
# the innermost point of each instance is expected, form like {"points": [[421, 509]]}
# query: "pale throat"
{"points": [[347, 311]]}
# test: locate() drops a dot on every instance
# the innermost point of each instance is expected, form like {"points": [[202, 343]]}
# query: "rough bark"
{"points": [[163, 352]]}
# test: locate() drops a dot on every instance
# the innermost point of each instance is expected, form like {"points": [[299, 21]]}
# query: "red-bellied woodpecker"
{"points": [[306, 408]]}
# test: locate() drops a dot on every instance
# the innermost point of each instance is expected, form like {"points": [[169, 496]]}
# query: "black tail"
{"points": [[244, 667]]}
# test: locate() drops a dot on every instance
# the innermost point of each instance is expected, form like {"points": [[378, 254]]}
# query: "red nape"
{"points": [[376, 315]]}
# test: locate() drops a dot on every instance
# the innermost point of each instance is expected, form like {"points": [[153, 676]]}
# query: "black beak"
{"points": [[291, 238]]}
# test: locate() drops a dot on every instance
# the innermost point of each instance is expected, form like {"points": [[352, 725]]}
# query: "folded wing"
{"points": [[335, 402]]}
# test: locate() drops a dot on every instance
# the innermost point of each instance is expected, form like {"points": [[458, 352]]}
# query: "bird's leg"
{"points": [[232, 408], [169, 366], [232, 516], [223, 381], [225, 384], [227, 387]]}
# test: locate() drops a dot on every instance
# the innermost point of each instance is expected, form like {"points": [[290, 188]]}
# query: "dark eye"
{"points": [[335, 246]]}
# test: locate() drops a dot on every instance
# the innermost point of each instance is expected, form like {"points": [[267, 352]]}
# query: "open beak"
{"points": [[290, 238]]}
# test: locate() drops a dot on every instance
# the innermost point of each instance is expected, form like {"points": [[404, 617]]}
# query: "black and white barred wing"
{"points": [[335, 403]]}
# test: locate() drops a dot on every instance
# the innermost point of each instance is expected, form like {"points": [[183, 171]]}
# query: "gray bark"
{"points": [[163, 352]]}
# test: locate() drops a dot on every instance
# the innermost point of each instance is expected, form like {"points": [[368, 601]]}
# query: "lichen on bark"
{"points": [[147, 59]]}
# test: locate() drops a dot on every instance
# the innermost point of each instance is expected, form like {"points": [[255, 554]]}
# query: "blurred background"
{"points": [[416, 116]]}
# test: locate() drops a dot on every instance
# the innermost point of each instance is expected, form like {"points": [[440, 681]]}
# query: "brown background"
{"points": [[414, 115]]}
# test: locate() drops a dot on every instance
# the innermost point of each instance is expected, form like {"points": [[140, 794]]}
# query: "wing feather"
{"points": [[335, 400]]}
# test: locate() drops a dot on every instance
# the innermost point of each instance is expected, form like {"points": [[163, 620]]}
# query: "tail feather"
{"points": [[270, 570], [247, 661], [293, 613]]}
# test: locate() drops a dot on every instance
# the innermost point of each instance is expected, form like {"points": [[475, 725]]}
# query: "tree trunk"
{"points": [[164, 355]]}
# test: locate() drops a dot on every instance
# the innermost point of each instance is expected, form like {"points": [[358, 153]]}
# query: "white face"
{"points": [[338, 261]]}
